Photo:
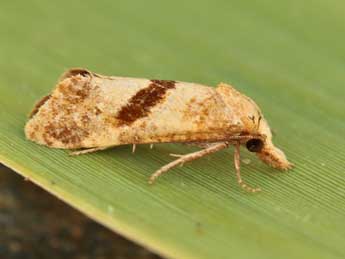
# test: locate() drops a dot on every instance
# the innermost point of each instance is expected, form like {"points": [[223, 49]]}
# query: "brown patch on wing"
{"points": [[202, 112], [76, 89], [97, 111], [68, 119], [38, 105], [68, 134], [141, 103]]}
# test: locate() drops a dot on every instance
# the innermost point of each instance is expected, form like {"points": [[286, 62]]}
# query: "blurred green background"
{"points": [[289, 56]]}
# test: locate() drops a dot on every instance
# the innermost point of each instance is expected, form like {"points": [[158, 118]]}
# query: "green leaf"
{"points": [[287, 55]]}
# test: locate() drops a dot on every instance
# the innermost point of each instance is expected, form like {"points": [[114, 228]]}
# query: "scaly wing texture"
{"points": [[89, 110]]}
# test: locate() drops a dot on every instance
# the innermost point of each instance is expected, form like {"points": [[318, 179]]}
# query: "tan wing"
{"points": [[88, 110]]}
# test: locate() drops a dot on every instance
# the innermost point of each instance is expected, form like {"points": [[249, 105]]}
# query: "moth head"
{"points": [[254, 124], [266, 150]]}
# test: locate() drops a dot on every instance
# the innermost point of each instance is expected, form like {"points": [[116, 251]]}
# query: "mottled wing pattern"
{"points": [[89, 110], [184, 113]]}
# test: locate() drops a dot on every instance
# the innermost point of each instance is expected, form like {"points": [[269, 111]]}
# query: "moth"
{"points": [[90, 112]]}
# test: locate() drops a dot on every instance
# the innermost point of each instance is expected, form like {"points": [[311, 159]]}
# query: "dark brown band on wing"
{"points": [[140, 104]]}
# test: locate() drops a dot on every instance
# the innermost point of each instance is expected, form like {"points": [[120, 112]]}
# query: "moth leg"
{"points": [[188, 157], [89, 150], [201, 145], [238, 171], [151, 146], [176, 155], [133, 148]]}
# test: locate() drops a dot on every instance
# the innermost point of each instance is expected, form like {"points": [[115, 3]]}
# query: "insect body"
{"points": [[94, 112]]}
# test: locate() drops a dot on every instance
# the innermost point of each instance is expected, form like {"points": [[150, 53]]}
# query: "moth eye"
{"points": [[254, 145]]}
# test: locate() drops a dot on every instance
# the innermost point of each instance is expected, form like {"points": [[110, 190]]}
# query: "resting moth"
{"points": [[94, 112]]}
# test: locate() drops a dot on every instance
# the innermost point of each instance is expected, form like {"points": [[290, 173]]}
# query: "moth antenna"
{"points": [[259, 120], [252, 118], [238, 171]]}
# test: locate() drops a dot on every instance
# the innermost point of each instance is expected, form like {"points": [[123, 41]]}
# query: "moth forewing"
{"points": [[93, 112]]}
